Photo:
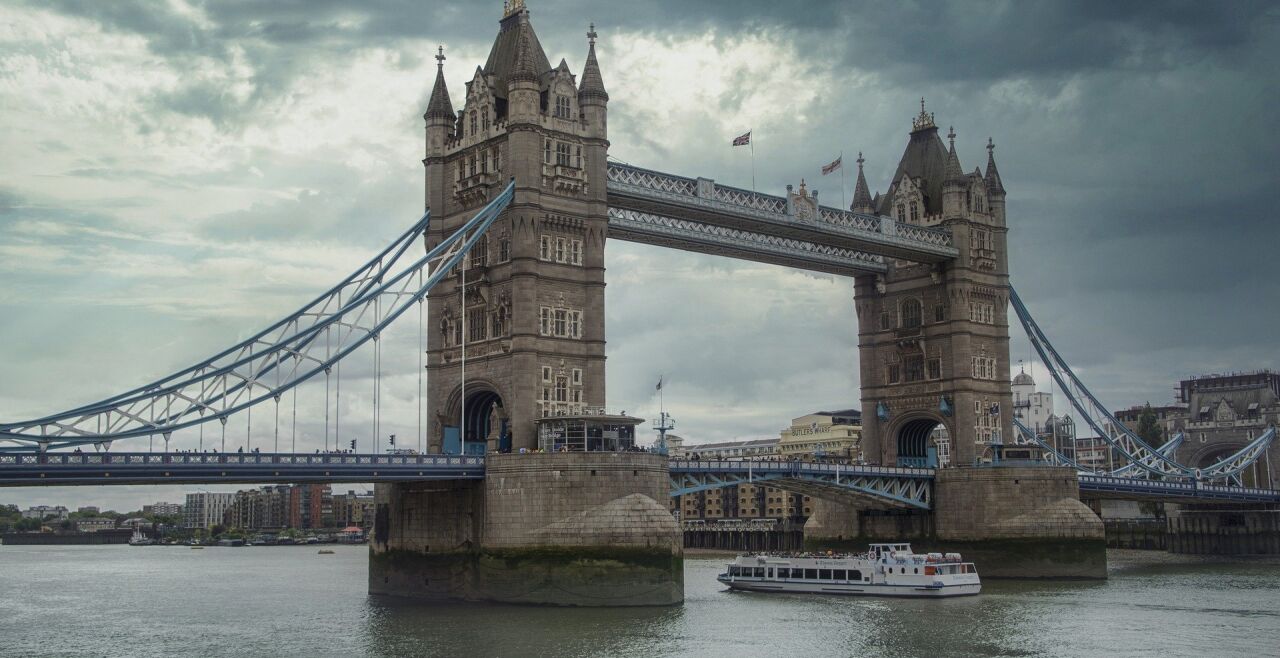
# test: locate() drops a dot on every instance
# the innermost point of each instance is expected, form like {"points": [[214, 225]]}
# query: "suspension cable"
{"points": [[421, 309]]}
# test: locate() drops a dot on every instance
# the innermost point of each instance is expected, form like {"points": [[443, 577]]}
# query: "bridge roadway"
{"points": [[877, 485]]}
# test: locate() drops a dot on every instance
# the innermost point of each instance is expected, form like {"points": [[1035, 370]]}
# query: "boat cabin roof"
{"points": [[900, 548]]}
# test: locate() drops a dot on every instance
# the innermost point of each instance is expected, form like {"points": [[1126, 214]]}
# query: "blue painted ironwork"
{"points": [[704, 201], [1111, 487], [1135, 451], [895, 487], [312, 342], [64, 468]]}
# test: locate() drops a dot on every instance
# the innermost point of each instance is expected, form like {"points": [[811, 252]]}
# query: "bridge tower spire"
{"points": [[934, 339]]}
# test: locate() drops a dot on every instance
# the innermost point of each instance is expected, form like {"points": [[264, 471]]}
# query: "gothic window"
{"points": [[546, 151], [913, 367], [476, 324], [457, 333], [915, 213], [480, 252], [911, 313], [484, 162], [884, 321], [562, 154], [484, 118], [577, 376], [471, 166], [935, 368], [940, 313], [544, 316], [462, 170], [544, 244], [561, 322], [562, 389], [562, 106], [902, 212], [892, 374], [504, 249], [499, 324], [473, 123], [560, 250], [575, 252], [575, 324], [497, 159], [577, 157], [546, 374]]}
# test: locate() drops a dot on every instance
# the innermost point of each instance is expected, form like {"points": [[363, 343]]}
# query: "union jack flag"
{"points": [[833, 166], [742, 140]]}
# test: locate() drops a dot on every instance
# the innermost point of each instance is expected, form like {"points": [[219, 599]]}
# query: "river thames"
{"points": [[292, 601]]}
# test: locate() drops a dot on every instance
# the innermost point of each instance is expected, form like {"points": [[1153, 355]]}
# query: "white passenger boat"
{"points": [[884, 570]]}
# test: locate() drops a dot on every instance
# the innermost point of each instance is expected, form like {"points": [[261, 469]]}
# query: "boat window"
{"points": [[811, 574], [840, 574], [759, 572], [855, 575], [824, 574], [784, 572], [915, 570], [771, 572]]}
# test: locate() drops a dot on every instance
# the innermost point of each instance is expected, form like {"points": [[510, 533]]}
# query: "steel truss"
{"points": [[894, 487], [302, 345], [1028, 437], [1135, 451]]}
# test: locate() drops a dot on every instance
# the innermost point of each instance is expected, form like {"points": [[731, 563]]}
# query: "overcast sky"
{"points": [[176, 175]]}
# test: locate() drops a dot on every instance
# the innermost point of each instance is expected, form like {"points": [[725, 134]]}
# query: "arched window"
{"points": [[911, 313], [902, 212], [915, 213]]}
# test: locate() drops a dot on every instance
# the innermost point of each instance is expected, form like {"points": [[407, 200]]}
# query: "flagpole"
{"points": [[752, 142], [843, 202]]}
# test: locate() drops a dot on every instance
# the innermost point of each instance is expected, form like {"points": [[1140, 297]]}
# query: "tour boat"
{"points": [[884, 570], [138, 539]]}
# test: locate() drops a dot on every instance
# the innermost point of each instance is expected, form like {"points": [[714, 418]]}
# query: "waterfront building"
{"points": [[823, 435], [310, 506], [1093, 453], [163, 509], [88, 509], [42, 512], [266, 508], [734, 450], [95, 524], [204, 510], [744, 501], [353, 509], [1033, 408]]}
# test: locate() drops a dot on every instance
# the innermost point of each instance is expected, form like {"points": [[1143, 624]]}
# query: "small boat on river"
{"points": [[884, 570]]}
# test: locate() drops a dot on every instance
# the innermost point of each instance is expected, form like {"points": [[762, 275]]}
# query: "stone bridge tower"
{"points": [[934, 340], [534, 298]]}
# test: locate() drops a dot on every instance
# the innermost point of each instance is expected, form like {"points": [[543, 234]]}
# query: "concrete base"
{"points": [[1011, 522], [582, 529]]}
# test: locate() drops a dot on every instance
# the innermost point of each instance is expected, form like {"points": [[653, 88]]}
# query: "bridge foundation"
{"points": [[1224, 531], [1011, 522], [582, 529]]}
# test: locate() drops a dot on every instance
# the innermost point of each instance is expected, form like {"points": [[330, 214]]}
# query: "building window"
{"points": [[902, 212], [480, 252], [935, 368], [913, 366], [546, 374], [562, 154], [982, 312], [484, 118], [504, 249], [910, 313], [915, 213], [892, 372], [476, 325], [545, 318], [560, 250], [562, 106], [940, 313], [471, 166], [497, 159], [546, 151], [473, 123], [884, 322], [577, 376], [561, 322], [499, 325], [544, 245], [562, 389], [577, 157], [984, 367], [575, 324], [575, 252]]}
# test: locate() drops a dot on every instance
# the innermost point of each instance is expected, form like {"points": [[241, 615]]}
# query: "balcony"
{"points": [[564, 178], [474, 190]]}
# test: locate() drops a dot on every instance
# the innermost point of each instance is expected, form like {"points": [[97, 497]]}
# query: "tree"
{"points": [[1149, 429]]}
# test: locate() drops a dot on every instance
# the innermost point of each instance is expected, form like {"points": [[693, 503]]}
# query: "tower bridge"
{"points": [[521, 198]]}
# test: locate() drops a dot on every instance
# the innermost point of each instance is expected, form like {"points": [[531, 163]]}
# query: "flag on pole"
{"points": [[659, 386], [743, 139], [833, 166]]}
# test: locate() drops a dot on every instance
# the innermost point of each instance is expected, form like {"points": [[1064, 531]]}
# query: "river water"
{"points": [[292, 601]]}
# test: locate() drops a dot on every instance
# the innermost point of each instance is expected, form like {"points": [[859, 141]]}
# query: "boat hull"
{"points": [[863, 589]]}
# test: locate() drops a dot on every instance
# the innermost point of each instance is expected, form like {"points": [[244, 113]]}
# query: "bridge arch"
{"points": [[914, 440], [487, 417]]}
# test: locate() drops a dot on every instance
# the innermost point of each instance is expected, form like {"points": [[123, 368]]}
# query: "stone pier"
{"points": [[582, 529], [1219, 531], [1013, 522]]}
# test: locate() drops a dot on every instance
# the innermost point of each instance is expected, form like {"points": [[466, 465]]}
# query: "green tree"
{"points": [[1149, 429]]}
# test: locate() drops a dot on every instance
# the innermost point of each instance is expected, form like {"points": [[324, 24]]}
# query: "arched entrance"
{"points": [[1254, 476], [487, 424], [921, 444]]}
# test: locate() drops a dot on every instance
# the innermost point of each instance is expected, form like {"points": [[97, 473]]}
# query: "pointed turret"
{"points": [[516, 41], [955, 184], [525, 68], [592, 83], [994, 185], [862, 201], [954, 172], [924, 161], [439, 107]]}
